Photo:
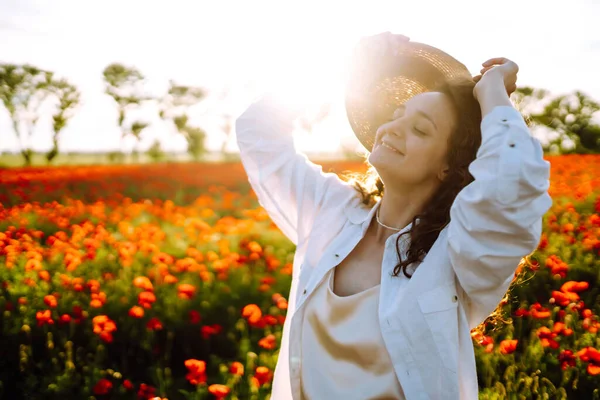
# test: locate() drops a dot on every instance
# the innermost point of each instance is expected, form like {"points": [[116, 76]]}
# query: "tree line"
{"points": [[24, 88]]}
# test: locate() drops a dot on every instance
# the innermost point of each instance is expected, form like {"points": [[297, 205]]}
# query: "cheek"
{"points": [[425, 154]]}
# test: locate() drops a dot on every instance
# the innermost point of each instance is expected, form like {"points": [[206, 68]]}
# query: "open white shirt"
{"points": [[426, 320]]}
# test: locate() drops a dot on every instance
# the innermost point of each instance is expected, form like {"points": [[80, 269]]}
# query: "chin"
{"points": [[381, 162]]}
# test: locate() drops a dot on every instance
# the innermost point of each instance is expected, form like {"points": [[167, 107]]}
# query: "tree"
{"points": [[125, 85], [570, 116], [196, 147], [23, 89], [175, 105], [136, 131], [155, 152], [68, 100]]}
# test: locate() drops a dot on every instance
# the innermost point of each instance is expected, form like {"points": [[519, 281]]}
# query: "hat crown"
{"points": [[383, 86]]}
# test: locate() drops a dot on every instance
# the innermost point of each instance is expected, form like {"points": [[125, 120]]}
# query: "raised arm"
{"points": [[497, 219], [291, 188]]}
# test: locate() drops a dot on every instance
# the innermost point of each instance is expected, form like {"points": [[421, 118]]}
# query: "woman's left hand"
{"points": [[496, 70]]}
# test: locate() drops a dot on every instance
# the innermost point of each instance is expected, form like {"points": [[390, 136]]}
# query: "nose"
{"points": [[391, 127]]}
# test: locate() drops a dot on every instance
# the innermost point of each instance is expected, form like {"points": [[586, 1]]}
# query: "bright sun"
{"points": [[310, 69]]}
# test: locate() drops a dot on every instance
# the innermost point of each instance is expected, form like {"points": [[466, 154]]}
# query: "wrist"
{"points": [[490, 93], [488, 82]]}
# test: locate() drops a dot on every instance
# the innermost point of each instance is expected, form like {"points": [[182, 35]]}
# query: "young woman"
{"points": [[389, 279]]}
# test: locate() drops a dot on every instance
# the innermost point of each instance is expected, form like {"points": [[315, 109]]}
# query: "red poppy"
{"points": [[567, 359], [186, 291], [268, 342], [127, 384], [219, 391], [44, 318], [262, 375], [136, 312], [508, 346], [236, 368], [50, 301], [252, 312], [154, 324], [103, 387], [196, 371], [546, 337], [194, 317]]}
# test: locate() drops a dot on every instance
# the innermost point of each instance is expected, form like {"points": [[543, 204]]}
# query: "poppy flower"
{"points": [[268, 342], [44, 318], [566, 359], [136, 312], [146, 299], [591, 355], [50, 301], [262, 375], [252, 312], [236, 368], [546, 337], [154, 324], [508, 346], [219, 391], [146, 391], [143, 282], [196, 371], [102, 387], [186, 291], [194, 317]]}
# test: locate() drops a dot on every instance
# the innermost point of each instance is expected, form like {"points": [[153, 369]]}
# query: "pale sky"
{"points": [[247, 47]]}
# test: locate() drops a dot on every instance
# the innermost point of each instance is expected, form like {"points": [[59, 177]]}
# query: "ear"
{"points": [[443, 173]]}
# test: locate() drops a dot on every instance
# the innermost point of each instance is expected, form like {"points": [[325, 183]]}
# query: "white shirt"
{"points": [[426, 320]]}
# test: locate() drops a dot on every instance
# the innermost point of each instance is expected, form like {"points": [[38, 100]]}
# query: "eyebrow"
{"points": [[420, 113]]}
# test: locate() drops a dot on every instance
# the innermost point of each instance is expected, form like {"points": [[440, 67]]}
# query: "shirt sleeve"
{"points": [[496, 220], [291, 188]]}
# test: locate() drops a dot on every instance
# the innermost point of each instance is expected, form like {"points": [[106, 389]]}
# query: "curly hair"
{"points": [[463, 144]]}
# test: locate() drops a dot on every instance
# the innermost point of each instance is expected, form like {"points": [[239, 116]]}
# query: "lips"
{"points": [[384, 144]]}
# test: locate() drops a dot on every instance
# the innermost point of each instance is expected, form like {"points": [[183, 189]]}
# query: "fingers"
{"points": [[484, 70], [500, 61], [497, 60]]}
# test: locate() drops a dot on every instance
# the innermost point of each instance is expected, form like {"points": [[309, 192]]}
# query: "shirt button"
{"points": [[304, 291], [455, 299], [337, 255]]}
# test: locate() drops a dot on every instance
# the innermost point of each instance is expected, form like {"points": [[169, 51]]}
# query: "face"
{"points": [[410, 150]]}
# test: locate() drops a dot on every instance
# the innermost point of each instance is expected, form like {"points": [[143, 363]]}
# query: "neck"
{"points": [[396, 212]]}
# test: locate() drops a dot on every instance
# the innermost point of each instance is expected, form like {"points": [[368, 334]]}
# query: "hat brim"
{"points": [[370, 100]]}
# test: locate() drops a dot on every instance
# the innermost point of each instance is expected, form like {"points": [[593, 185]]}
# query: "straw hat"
{"points": [[378, 86]]}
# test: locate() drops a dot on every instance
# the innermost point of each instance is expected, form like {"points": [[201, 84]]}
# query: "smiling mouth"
{"points": [[390, 147]]}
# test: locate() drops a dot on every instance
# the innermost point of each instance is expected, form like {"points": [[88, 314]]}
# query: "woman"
{"points": [[465, 188]]}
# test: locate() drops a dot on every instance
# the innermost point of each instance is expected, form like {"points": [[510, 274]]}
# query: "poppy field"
{"points": [[169, 281]]}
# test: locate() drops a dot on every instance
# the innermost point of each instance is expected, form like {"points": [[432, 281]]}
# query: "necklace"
{"points": [[385, 226]]}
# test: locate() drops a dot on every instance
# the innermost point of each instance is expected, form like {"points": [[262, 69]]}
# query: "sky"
{"points": [[237, 50]]}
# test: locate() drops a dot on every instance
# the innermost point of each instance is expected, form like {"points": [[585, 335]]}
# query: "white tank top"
{"points": [[343, 353]]}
